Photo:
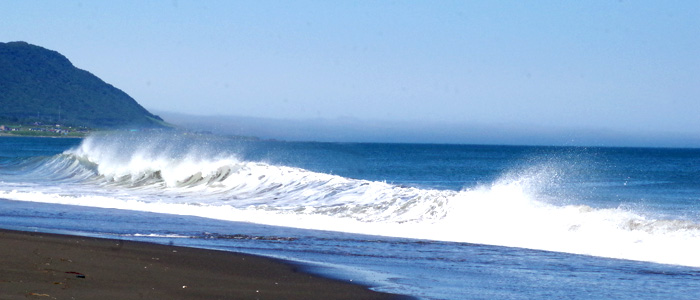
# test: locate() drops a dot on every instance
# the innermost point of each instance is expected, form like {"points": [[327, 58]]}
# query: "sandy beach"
{"points": [[51, 266]]}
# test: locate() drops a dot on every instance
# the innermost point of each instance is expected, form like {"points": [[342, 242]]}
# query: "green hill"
{"points": [[41, 85]]}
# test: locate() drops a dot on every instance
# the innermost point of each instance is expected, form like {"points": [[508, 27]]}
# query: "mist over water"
{"points": [[350, 129], [556, 199]]}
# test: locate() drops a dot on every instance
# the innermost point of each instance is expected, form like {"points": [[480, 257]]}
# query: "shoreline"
{"points": [[55, 266], [42, 136]]}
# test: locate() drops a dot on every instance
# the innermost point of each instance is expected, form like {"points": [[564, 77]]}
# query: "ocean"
{"points": [[428, 221]]}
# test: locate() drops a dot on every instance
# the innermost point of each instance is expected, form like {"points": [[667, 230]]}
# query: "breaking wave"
{"points": [[175, 175]]}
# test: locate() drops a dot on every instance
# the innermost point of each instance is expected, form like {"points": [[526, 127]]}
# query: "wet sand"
{"points": [[51, 266]]}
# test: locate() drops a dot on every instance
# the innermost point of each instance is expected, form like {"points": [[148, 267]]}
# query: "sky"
{"points": [[559, 68]]}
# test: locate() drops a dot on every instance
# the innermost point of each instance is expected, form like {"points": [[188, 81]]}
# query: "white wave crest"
{"points": [[174, 177]]}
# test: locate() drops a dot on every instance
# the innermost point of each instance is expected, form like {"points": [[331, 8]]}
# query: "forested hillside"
{"points": [[41, 85]]}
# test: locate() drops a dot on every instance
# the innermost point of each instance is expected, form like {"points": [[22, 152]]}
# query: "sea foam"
{"points": [[174, 175]]}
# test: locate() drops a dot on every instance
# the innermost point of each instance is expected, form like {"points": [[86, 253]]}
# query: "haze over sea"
{"points": [[427, 220], [612, 73]]}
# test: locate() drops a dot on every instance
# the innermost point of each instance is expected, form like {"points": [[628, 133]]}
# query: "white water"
{"points": [[202, 182]]}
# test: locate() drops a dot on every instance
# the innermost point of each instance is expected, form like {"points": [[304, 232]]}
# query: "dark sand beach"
{"points": [[51, 266]]}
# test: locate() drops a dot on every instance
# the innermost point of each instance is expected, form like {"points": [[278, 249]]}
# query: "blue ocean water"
{"points": [[430, 221]]}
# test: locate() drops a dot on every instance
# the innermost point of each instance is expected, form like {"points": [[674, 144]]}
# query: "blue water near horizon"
{"points": [[429, 221]]}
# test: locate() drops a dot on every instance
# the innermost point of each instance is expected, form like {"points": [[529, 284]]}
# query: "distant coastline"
{"points": [[43, 130], [3, 134], [57, 131]]}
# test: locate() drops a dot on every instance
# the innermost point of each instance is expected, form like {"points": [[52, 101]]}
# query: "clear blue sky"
{"points": [[631, 67]]}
